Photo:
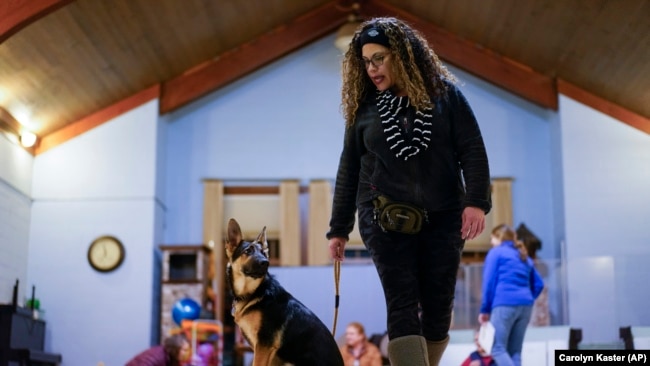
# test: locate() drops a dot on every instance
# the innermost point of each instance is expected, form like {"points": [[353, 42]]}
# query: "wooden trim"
{"points": [[501, 202], [251, 190], [17, 14], [611, 109], [320, 210], [182, 282], [8, 119], [77, 128], [213, 193], [184, 247], [473, 256], [290, 248], [258, 190], [249, 57], [501, 213], [499, 70]]}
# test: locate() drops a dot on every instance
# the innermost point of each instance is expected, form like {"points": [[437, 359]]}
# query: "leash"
{"points": [[337, 280]]}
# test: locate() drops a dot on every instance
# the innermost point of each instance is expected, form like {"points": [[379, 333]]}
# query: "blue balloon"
{"points": [[185, 309]]}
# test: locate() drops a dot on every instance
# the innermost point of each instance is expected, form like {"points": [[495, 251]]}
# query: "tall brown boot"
{"points": [[408, 351], [435, 350]]}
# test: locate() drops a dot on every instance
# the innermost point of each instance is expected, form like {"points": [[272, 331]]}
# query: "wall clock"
{"points": [[106, 254]]}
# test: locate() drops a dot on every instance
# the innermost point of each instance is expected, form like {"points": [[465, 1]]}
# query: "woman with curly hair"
{"points": [[410, 136]]}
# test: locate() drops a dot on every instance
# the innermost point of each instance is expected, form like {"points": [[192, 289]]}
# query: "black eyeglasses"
{"points": [[376, 60]]}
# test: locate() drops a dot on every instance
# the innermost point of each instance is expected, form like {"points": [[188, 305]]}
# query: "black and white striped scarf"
{"points": [[389, 107]]}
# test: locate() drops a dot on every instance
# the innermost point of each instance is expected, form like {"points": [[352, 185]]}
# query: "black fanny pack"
{"points": [[398, 216]]}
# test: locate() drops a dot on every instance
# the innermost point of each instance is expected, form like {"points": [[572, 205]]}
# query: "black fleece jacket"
{"points": [[450, 174]]}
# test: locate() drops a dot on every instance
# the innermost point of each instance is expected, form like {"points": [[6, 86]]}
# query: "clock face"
{"points": [[105, 254]]}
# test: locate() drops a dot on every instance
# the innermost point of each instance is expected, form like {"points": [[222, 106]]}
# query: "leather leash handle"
{"points": [[337, 280]]}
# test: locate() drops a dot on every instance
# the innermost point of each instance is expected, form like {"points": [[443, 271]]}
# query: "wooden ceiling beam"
{"points": [[251, 56], [17, 14], [8, 120], [488, 65]]}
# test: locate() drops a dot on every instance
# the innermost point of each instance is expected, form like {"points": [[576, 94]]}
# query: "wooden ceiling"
{"points": [[64, 61]]}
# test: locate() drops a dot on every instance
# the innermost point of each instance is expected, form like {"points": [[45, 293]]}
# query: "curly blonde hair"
{"points": [[417, 67]]}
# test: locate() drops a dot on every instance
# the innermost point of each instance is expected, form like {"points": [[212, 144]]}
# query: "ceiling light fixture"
{"points": [[27, 139], [346, 32], [15, 131]]}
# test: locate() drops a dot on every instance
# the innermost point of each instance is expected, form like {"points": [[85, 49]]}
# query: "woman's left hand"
{"points": [[473, 223]]}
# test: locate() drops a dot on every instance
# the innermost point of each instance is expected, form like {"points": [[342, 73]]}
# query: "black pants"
{"points": [[417, 272]]}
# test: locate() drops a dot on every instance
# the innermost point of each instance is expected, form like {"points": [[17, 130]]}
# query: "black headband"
{"points": [[374, 35]]}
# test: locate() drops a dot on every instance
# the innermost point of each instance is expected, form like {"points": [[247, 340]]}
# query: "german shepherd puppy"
{"points": [[280, 328]]}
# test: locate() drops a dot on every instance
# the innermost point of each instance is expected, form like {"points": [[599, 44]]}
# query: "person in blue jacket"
{"points": [[510, 286]]}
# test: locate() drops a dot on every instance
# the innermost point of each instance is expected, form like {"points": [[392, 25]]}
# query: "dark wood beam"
{"points": [[604, 106], [8, 121], [17, 14], [77, 128], [253, 190], [499, 70], [249, 57]]}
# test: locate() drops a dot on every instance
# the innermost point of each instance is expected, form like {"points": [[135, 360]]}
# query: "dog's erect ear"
{"points": [[234, 237], [261, 238]]}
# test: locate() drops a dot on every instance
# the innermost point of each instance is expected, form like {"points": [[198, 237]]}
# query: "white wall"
{"points": [[360, 294], [15, 166], [517, 137], [100, 183], [15, 205], [606, 180], [281, 122]]}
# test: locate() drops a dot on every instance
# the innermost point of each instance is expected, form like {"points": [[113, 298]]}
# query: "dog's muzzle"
{"points": [[257, 268]]}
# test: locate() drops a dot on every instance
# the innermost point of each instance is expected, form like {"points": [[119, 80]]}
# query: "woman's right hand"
{"points": [[482, 318], [337, 248]]}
